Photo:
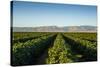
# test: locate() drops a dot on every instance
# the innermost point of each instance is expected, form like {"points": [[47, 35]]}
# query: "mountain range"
{"points": [[56, 29]]}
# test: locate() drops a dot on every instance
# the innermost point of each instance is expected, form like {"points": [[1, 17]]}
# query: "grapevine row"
{"points": [[88, 49], [28, 36], [60, 52], [26, 53]]}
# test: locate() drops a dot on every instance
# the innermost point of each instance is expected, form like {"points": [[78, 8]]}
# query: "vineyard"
{"points": [[32, 48]]}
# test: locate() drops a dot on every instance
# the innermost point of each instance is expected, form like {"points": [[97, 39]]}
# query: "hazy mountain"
{"points": [[56, 29]]}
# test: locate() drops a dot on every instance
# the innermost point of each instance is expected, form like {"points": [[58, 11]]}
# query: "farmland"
{"points": [[32, 48]]}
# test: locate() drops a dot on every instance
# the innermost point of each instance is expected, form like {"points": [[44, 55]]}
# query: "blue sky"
{"points": [[33, 14]]}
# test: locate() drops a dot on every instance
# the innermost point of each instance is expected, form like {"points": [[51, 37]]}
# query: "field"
{"points": [[33, 48]]}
